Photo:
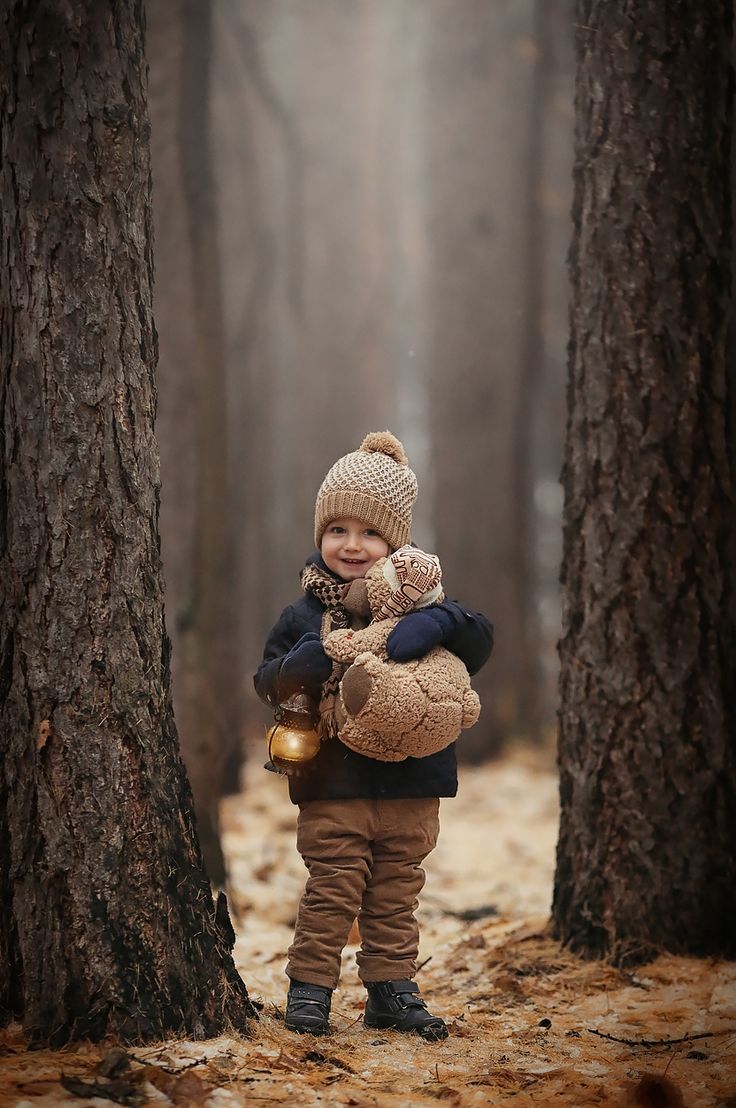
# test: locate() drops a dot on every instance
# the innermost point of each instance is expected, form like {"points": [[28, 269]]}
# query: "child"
{"points": [[365, 826]]}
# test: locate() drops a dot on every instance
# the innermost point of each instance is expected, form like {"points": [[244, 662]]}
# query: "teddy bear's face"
{"points": [[395, 585]]}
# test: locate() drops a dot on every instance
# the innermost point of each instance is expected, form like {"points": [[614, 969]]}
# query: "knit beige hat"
{"points": [[374, 484]]}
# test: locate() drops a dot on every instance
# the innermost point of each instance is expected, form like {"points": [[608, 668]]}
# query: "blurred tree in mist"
{"points": [[645, 858], [394, 179], [198, 524], [487, 277], [393, 188], [300, 173]]}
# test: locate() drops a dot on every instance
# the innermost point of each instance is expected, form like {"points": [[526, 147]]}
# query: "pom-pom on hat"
{"points": [[374, 484]]}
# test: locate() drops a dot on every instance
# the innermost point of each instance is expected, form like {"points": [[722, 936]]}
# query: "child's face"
{"points": [[350, 547]]}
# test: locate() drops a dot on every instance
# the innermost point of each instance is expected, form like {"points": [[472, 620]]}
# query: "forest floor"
{"points": [[529, 1023]]}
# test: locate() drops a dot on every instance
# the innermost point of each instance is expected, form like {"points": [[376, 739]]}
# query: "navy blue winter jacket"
{"points": [[338, 773]]}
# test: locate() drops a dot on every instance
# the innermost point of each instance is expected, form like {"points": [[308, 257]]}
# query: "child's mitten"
{"points": [[415, 634], [306, 666]]}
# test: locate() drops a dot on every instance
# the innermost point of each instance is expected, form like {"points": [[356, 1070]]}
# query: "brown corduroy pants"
{"points": [[364, 859]]}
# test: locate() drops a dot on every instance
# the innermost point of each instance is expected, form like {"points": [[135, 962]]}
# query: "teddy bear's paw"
{"points": [[339, 646], [355, 689], [471, 708], [346, 645]]}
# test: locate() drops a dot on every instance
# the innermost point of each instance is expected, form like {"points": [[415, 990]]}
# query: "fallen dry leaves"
{"points": [[530, 1024]]}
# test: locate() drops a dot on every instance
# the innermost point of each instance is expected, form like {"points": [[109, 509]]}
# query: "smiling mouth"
{"points": [[354, 561]]}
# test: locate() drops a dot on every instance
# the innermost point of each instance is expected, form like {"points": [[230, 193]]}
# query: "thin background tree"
{"points": [[198, 516]]}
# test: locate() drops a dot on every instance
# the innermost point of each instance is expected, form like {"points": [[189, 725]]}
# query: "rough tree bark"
{"points": [[107, 924], [648, 784]]}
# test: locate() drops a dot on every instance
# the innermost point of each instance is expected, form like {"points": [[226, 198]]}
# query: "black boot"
{"points": [[308, 1008], [398, 1005]]}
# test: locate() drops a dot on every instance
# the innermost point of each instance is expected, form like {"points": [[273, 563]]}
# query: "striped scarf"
{"points": [[330, 593]]}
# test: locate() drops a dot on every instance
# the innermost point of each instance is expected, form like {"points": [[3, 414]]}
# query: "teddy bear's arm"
{"points": [[345, 645]]}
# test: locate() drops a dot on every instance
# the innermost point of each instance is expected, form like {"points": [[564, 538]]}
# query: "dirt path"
{"points": [[529, 1023]]}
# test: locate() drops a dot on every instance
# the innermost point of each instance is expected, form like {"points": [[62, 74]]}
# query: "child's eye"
{"points": [[337, 530], [372, 534]]}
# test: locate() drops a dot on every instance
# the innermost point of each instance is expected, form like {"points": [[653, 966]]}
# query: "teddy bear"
{"points": [[395, 710]]}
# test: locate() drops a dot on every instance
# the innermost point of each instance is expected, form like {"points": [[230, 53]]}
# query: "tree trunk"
{"points": [[198, 548], [648, 789], [302, 173], [215, 722], [528, 379], [108, 924], [216, 738], [475, 172]]}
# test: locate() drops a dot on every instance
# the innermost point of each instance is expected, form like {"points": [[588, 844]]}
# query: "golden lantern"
{"points": [[293, 740]]}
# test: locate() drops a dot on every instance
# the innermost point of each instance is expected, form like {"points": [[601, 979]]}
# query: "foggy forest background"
{"points": [[361, 222]]}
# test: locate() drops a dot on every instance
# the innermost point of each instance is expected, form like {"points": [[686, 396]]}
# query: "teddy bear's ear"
{"points": [[471, 707]]}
